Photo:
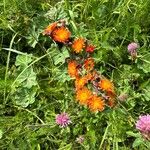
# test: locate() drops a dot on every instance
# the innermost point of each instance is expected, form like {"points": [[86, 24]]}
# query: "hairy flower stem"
{"points": [[104, 136]]}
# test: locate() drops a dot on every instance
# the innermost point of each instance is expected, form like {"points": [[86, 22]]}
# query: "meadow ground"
{"points": [[81, 83]]}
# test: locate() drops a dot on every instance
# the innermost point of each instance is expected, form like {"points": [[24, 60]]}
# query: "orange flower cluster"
{"points": [[89, 64], [58, 32], [92, 89], [78, 45], [72, 69]]}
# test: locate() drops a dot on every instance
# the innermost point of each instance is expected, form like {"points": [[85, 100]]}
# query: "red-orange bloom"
{"points": [[106, 85], [90, 48], [111, 93], [78, 45], [89, 76], [80, 82], [72, 69], [83, 95], [50, 29], [96, 103], [89, 64], [111, 100], [61, 34]]}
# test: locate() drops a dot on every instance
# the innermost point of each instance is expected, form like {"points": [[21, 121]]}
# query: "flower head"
{"points": [[106, 85], [89, 76], [78, 45], [72, 69], [96, 103], [89, 64], [122, 97], [80, 82], [83, 95], [61, 34], [111, 98], [143, 125], [132, 47], [63, 119], [111, 102], [80, 139], [50, 29], [90, 48]]}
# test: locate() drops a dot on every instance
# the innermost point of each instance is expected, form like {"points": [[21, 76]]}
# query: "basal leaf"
{"points": [[33, 37], [25, 96], [61, 57], [137, 142], [23, 60]]}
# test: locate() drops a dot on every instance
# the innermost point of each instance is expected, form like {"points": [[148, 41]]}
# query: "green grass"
{"points": [[35, 86]]}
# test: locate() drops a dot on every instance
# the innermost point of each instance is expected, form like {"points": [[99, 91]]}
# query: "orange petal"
{"points": [[96, 103], [78, 45], [61, 34], [50, 29]]}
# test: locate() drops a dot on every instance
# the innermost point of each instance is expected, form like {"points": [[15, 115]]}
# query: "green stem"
{"points": [[104, 136], [31, 113], [67, 4], [4, 5], [7, 64], [17, 52]]}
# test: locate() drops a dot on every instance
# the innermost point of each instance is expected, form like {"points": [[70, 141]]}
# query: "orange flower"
{"points": [[80, 82], [89, 76], [111, 93], [90, 48], [83, 95], [106, 85], [72, 69], [61, 34], [89, 64], [78, 45], [96, 103], [50, 29], [111, 100]]}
